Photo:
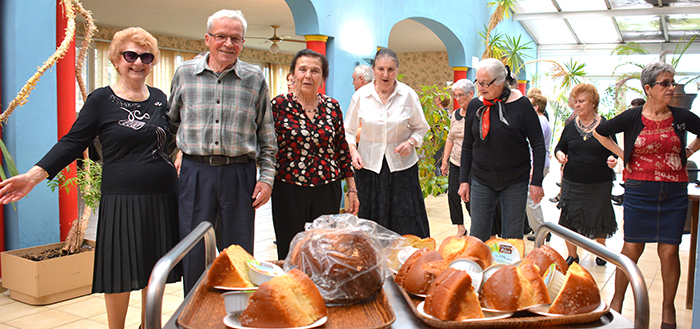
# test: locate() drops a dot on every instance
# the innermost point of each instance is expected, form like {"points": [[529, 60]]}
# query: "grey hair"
{"points": [[365, 72], [464, 85], [230, 14], [652, 70], [388, 53], [494, 68]]}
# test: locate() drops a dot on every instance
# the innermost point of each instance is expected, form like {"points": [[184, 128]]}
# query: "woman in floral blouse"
{"points": [[313, 154]]}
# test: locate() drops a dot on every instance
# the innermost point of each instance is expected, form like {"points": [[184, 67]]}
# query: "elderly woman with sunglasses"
{"points": [[495, 160], [656, 179], [138, 207]]}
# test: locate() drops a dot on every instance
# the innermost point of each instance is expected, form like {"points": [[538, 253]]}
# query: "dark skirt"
{"points": [[655, 211], [393, 200], [133, 232], [587, 209]]}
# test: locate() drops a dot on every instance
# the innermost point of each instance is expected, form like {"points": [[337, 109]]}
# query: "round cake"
{"points": [[343, 264], [545, 256], [467, 247], [579, 293], [512, 288], [417, 273], [451, 297]]}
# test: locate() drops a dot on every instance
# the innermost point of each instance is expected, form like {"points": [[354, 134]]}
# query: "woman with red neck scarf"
{"points": [[500, 127]]}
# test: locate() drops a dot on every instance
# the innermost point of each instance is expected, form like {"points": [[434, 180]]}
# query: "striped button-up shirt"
{"points": [[223, 114]]}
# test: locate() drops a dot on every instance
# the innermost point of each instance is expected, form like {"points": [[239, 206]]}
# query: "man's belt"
{"points": [[216, 160]]}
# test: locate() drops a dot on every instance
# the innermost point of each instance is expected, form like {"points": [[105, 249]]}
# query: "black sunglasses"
{"points": [[131, 57]]}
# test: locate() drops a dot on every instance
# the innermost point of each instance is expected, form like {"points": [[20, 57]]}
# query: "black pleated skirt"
{"points": [[393, 200], [587, 209], [133, 232]]}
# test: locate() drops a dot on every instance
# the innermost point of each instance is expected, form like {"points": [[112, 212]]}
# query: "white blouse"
{"points": [[384, 127]]}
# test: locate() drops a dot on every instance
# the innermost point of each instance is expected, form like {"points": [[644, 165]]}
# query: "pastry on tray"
{"points": [[290, 300], [513, 288], [419, 271], [467, 247], [451, 297], [579, 294], [229, 269]]}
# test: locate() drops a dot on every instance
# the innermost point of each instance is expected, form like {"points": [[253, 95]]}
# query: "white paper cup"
{"points": [[236, 301], [263, 271], [472, 268]]}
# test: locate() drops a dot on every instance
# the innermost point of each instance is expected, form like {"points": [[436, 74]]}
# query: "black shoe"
{"points": [[532, 237], [617, 199], [555, 199], [570, 260], [600, 262], [558, 184]]}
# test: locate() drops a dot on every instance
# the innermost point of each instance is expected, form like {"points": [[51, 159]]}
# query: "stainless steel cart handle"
{"points": [[639, 287], [159, 276]]}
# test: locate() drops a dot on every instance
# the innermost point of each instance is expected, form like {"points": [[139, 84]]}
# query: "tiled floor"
{"points": [[89, 311]]}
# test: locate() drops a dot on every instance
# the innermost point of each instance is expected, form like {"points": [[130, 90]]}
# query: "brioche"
{"points": [[451, 297], [579, 293], [467, 247], [421, 271], [290, 300], [417, 242], [229, 269], [342, 263], [545, 256], [406, 267], [512, 288]]}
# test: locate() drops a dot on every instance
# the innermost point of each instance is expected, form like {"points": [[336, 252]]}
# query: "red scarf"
{"points": [[486, 117]]}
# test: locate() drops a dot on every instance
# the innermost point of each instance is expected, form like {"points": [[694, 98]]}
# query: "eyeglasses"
{"points": [[665, 84], [484, 85], [460, 95], [131, 56], [222, 38]]}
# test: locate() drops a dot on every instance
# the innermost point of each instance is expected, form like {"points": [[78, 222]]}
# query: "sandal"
{"points": [[555, 199]]}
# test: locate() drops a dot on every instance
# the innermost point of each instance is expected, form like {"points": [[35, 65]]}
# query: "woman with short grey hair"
{"points": [[462, 92], [495, 161], [656, 179]]}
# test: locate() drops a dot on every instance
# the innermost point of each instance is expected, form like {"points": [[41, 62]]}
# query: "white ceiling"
{"points": [[187, 19]]}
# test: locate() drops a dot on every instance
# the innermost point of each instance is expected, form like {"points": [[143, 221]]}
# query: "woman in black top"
{"points": [[588, 175], [496, 154], [138, 221]]}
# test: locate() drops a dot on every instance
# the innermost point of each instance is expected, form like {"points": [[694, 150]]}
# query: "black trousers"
{"points": [[205, 191], [453, 199], [294, 205]]}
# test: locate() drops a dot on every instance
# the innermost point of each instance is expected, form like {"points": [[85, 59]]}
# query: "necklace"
{"points": [[129, 97], [586, 132]]}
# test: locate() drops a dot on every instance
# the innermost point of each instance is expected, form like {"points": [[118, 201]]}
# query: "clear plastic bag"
{"points": [[346, 257]]}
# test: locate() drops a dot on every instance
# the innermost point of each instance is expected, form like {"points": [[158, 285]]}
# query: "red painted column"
{"points": [[317, 43], [460, 73], [65, 90], [522, 86]]}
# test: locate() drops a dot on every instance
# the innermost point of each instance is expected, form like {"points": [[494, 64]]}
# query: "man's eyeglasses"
{"points": [[222, 38], [665, 84], [484, 85], [131, 56]]}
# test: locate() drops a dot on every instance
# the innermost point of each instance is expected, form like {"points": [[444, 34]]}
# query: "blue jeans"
{"points": [[483, 198]]}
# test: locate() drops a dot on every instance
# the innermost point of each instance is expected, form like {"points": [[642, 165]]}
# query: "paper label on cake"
{"points": [[504, 253], [549, 274]]}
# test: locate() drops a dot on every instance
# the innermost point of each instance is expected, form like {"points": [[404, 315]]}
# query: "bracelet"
{"points": [[351, 191], [411, 142]]}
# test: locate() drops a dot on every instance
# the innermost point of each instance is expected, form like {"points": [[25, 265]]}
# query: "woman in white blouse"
{"points": [[386, 162]]}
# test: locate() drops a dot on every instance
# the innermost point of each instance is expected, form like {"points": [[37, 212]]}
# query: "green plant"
{"points": [[89, 181], [493, 43], [513, 52], [434, 139], [503, 10]]}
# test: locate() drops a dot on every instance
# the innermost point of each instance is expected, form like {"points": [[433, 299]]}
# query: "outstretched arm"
{"points": [[19, 186]]}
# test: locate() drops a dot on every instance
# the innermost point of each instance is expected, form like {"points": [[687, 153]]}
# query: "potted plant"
{"points": [[49, 280]]}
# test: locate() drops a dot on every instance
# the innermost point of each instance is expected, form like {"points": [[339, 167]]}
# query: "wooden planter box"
{"points": [[48, 281]]}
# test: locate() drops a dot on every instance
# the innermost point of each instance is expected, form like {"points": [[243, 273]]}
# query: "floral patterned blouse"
{"points": [[657, 154], [311, 152]]}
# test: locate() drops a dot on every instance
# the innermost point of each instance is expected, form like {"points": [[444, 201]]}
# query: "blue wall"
{"points": [[27, 41], [357, 28]]}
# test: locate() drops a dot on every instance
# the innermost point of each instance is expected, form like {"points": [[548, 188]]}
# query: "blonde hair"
{"points": [[136, 35], [590, 90]]}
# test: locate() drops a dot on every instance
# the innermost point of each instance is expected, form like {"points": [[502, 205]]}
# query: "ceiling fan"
{"points": [[274, 39]]}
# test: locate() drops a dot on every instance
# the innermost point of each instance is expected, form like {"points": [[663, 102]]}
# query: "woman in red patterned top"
{"points": [[656, 193], [313, 156]]}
